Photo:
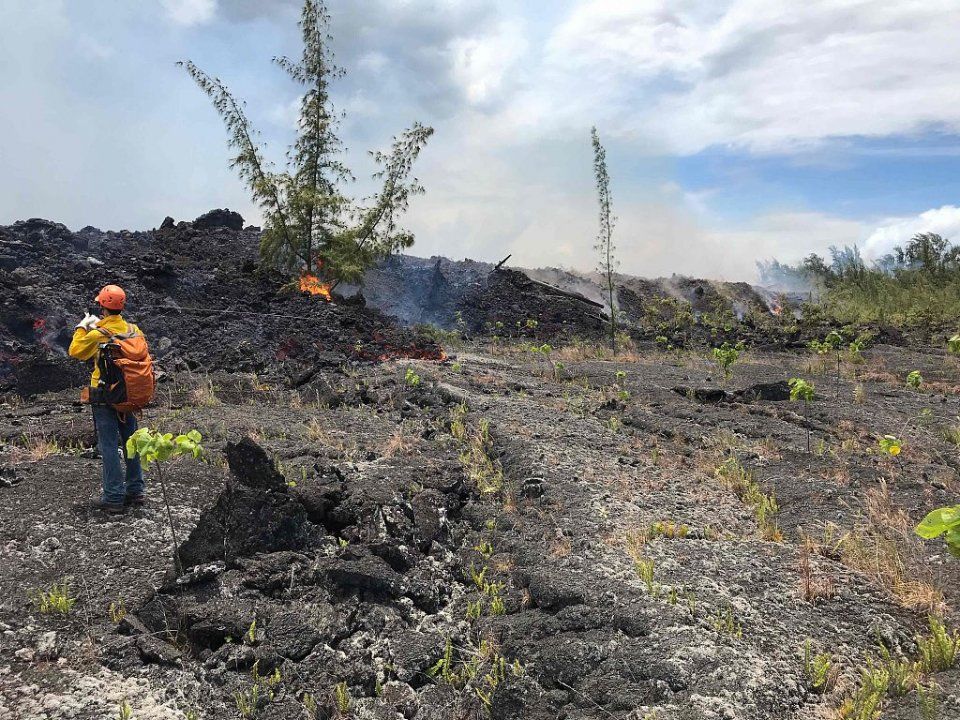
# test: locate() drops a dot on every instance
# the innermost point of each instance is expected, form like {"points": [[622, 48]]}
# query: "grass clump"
{"points": [[480, 465], [940, 650], [765, 508], [822, 673], [56, 601], [725, 622]]}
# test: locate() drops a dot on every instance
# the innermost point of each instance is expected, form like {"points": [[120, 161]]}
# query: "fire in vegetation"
{"points": [[311, 284]]}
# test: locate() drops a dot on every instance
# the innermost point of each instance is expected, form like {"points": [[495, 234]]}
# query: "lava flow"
{"points": [[311, 284]]}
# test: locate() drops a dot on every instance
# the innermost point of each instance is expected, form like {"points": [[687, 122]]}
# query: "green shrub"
{"points": [[155, 448]]}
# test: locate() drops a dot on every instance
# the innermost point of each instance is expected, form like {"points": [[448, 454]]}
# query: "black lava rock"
{"points": [[219, 218]]}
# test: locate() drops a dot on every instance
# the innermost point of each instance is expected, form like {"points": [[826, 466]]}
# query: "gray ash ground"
{"points": [[400, 537], [362, 543]]}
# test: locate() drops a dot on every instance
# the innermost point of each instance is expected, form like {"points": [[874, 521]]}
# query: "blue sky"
{"points": [[736, 130]]}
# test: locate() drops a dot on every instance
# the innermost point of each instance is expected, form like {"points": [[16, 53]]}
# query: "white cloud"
{"points": [[190, 12], [770, 75], [486, 205], [944, 221], [482, 64]]}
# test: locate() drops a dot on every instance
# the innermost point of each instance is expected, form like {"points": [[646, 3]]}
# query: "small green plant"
{"points": [[251, 635], [928, 703], [943, 521], [644, 568], [456, 367], [117, 611], [914, 379], [804, 391], [125, 712], [443, 668], [902, 673], [667, 529], [953, 345], [855, 349], [865, 702], [725, 623], [726, 356], [411, 379], [155, 448], [247, 701], [482, 468], [940, 650], [890, 445], [819, 669], [765, 508], [55, 601], [832, 343], [484, 548], [341, 696], [474, 609]]}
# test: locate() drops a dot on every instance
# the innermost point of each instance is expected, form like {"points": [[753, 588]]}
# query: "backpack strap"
{"points": [[120, 336]]}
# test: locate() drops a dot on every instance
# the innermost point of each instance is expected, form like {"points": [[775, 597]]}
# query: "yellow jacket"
{"points": [[86, 344]]}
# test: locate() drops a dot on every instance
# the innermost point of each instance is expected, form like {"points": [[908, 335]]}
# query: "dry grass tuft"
{"points": [[400, 443], [886, 551], [205, 394], [34, 448], [812, 587]]}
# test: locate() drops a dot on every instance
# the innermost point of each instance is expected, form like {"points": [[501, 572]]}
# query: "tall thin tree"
{"points": [[605, 248], [309, 222]]}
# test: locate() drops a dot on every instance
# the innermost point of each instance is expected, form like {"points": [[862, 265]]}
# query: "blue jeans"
{"points": [[112, 433]]}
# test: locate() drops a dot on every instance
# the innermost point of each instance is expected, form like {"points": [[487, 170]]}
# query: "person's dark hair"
{"points": [[108, 311]]}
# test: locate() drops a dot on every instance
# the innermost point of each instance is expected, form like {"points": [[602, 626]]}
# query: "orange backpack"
{"points": [[127, 383]]}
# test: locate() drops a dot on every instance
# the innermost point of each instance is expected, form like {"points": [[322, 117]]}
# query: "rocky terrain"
{"points": [[395, 523]]}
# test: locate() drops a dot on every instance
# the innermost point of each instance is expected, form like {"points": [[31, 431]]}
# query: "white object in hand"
{"points": [[89, 322]]}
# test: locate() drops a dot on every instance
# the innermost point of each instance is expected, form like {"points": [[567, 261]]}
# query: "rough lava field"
{"points": [[496, 520]]}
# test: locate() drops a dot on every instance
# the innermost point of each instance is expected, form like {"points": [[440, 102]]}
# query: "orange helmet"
{"points": [[112, 297]]}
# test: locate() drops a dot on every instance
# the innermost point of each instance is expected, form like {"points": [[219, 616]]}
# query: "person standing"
{"points": [[123, 482]]}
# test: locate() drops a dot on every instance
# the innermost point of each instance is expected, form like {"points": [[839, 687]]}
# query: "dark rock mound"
{"points": [[775, 391], [708, 396], [224, 218], [506, 300], [252, 515], [244, 521], [250, 465]]}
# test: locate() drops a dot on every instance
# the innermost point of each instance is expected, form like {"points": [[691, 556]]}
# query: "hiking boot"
{"points": [[110, 508], [135, 500]]}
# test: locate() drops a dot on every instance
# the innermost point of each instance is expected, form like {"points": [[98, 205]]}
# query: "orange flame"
{"points": [[311, 284], [777, 309]]}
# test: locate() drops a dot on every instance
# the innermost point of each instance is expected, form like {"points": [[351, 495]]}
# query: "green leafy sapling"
{"points": [[943, 521], [953, 344], [891, 446], [155, 448], [800, 389], [832, 343], [726, 356], [914, 379]]}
